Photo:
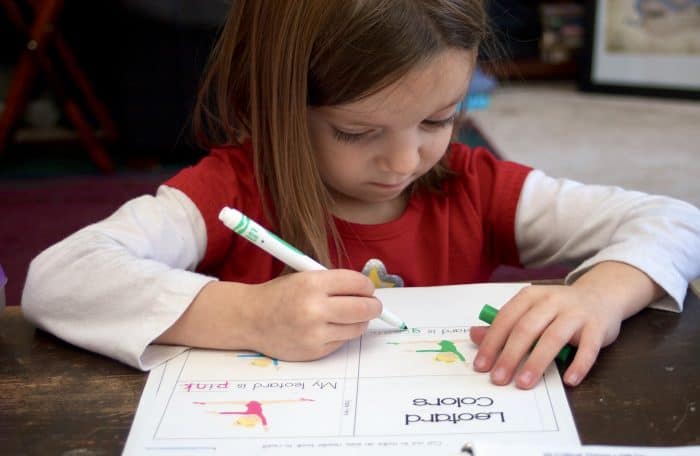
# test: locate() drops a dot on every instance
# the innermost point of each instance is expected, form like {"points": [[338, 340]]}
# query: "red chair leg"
{"points": [[101, 113], [40, 35], [17, 98]]}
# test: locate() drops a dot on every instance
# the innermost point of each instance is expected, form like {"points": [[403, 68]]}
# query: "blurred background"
{"points": [[144, 59], [95, 100]]}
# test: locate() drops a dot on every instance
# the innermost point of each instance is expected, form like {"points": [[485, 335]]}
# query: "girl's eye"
{"points": [[440, 123], [344, 136]]}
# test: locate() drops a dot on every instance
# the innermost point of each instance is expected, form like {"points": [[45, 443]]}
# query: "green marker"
{"points": [[488, 314], [284, 252]]}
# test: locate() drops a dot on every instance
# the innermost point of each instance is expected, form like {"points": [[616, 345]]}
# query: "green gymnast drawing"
{"points": [[447, 353], [446, 347], [260, 360]]}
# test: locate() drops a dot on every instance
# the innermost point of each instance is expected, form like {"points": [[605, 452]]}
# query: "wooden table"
{"points": [[58, 399]]}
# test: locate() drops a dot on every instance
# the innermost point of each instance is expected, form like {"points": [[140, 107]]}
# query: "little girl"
{"points": [[330, 123]]}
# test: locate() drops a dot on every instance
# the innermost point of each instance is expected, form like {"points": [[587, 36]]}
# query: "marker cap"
{"points": [[566, 354], [488, 314]]}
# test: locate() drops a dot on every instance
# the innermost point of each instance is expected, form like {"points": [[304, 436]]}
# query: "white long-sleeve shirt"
{"points": [[144, 256]]}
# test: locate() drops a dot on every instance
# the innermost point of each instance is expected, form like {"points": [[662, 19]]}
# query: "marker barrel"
{"points": [[488, 314], [280, 249], [267, 241]]}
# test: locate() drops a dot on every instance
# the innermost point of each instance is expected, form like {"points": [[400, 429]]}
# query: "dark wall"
{"points": [[147, 67], [144, 58], [517, 25]]}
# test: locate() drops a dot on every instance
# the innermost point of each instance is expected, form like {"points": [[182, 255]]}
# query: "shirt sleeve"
{"points": [[563, 221], [115, 286], [488, 190]]}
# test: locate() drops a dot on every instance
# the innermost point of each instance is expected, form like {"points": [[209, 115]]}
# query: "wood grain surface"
{"points": [[61, 400]]}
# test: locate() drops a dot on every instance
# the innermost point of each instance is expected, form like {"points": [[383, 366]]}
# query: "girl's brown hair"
{"points": [[275, 58]]}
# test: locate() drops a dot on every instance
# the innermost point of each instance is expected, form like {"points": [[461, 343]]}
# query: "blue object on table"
{"points": [[482, 82], [479, 94], [3, 281], [478, 101]]}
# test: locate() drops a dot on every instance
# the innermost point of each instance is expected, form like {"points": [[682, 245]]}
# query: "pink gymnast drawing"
{"points": [[253, 414]]}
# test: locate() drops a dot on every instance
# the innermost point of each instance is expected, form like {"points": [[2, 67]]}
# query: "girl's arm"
{"points": [[114, 286], [120, 285], [638, 247], [587, 313], [562, 221], [294, 317]]}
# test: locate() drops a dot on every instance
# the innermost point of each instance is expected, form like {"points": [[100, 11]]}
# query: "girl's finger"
{"points": [[345, 282], [553, 339], [498, 333], [332, 346], [591, 341], [350, 309], [477, 333], [521, 340], [342, 333]]}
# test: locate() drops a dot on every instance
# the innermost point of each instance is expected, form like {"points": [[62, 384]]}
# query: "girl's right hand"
{"points": [[307, 315]]}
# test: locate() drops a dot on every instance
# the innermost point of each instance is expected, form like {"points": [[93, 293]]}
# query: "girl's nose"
{"points": [[402, 155]]}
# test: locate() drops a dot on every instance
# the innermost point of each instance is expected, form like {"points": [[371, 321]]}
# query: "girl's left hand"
{"points": [[587, 313]]}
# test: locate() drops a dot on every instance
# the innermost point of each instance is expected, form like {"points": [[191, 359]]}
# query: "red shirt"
{"points": [[460, 237]]}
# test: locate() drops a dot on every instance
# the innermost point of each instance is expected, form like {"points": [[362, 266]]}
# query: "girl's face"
{"points": [[371, 150]]}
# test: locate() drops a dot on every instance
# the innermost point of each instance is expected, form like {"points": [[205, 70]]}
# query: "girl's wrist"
{"points": [[234, 317], [619, 283], [218, 317]]}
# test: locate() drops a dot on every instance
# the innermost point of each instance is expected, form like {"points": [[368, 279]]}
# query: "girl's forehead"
{"points": [[434, 85]]}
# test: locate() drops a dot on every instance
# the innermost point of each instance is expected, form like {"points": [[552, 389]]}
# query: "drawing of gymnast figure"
{"points": [[260, 360], [253, 413], [447, 352]]}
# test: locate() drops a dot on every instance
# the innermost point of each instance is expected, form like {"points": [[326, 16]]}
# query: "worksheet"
{"points": [[388, 392]]}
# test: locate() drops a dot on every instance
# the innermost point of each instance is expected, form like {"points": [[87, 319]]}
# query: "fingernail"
{"points": [[572, 379], [525, 378], [499, 375], [480, 363]]}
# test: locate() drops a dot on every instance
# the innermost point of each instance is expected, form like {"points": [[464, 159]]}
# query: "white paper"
{"points": [[388, 392], [499, 449]]}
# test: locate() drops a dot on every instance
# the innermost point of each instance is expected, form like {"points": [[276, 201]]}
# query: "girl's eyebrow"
{"points": [[452, 103], [364, 123]]}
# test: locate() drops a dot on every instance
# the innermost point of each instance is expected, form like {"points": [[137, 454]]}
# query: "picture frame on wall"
{"points": [[642, 47]]}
